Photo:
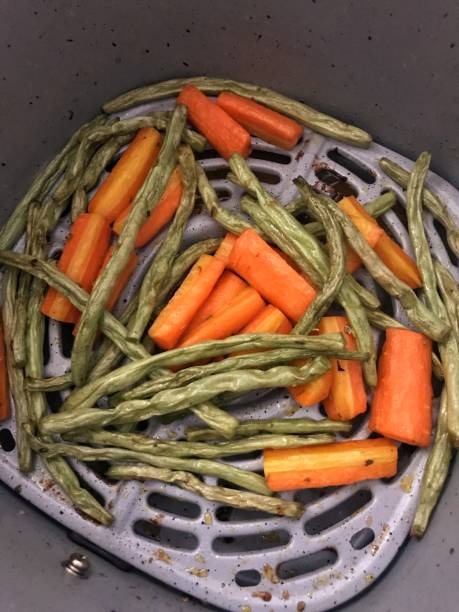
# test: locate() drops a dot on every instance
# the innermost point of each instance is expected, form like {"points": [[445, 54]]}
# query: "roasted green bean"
{"points": [[430, 201], [216, 418], [435, 472], [418, 313], [101, 158], [243, 478], [173, 400], [144, 202], [79, 203], [323, 124], [144, 444], [224, 495]]}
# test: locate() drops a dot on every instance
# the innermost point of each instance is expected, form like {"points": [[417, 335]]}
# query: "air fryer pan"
{"points": [[368, 161]]}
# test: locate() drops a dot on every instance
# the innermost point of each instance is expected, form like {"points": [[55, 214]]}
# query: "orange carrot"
{"points": [[223, 133], [229, 319], [228, 286], [224, 250], [347, 397], [186, 301], [264, 269], [398, 261], [329, 465], [315, 391], [402, 403], [293, 265], [162, 213], [81, 260], [261, 121], [269, 321], [120, 187], [4, 389], [366, 225]]}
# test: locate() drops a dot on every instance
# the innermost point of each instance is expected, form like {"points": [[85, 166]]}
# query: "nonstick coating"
{"points": [[390, 67]]}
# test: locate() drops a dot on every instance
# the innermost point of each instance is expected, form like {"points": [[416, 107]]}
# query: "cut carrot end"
{"points": [[402, 402], [329, 464], [224, 250], [312, 392]]}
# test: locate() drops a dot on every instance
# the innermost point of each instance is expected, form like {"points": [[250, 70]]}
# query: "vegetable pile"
{"points": [[256, 309]]}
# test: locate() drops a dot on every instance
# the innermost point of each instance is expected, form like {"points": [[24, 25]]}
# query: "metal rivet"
{"points": [[77, 565]]}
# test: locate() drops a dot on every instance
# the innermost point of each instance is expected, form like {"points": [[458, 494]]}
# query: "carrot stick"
{"points": [[402, 403], [366, 225], [329, 465], [226, 246], [223, 133], [229, 320], [312, 392], [120, 187], [347, 397], [4, 389], [398, 261], [81, 260], [263, 122], [264, 269], [162, 213], [269, 321], [186, 301], [228, 287]]}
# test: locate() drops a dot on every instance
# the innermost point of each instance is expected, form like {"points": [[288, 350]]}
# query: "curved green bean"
{"points": [[216, 418], [319, 122], [173, 400], [224, 495], [430, 200], [101, 158], [144, 202]]}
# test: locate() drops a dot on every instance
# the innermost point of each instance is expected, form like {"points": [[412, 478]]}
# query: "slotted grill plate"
{"points": [[246, 560]]}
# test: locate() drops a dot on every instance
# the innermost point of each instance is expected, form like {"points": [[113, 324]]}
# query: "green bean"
{"points": [[309, 254], [79, 203], [243, 478], [217, 419], [435, 472], [368, 299], [431, 201], [101, 158], [17, 221], [376, 208], [418, 313], [224, 495], [173, 400], [53, 383], [145, 201], [131, 373], [16, 375], [231, 221], [159, 269], [68, 481], [50, 273], [144, 444], [254, 427], [450, 293], [177, 379], [323, 124], [332, 285]]}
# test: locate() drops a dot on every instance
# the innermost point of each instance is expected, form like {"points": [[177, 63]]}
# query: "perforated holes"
{"points": [[67, 338], [338, 513], [167, 537], [309, 496], [332, 183], [272, 156], [207, 154], [252, 542], [180, 507], [355, 167], [247, 578], [306, 564], [7, 441], [362, 538], [46, 347], [54, 400], [227, 514]]}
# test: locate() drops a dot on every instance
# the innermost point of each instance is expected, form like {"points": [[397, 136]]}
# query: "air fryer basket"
{"points": [[368, 64]]}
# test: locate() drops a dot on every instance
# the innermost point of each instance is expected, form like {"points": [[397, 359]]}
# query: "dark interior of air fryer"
{"points": [[392, 69]]}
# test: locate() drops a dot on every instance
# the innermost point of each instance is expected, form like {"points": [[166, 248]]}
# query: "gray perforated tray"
{"points": [[241, 560]]}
